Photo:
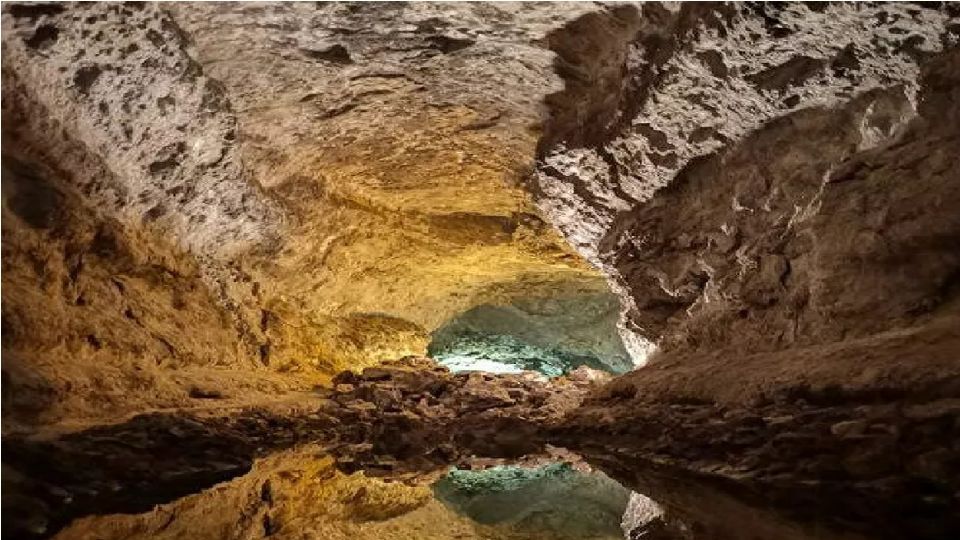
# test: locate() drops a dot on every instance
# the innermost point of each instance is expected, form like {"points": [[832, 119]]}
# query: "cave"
{"points": [[551, 336], [528, 271]]}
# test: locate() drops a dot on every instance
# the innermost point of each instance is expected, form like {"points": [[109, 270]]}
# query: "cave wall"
{"points": [[246, 198], [96, 315], [553, 334], [120, 79], [227, 201], [331, 183], [773, 197], [394, 135], [127, 214], [759, 176]]}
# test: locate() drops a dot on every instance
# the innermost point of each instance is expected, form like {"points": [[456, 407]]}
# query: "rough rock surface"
{"points": [[125, 209], [747, 177], [101, 316], [394, 136], [314, 187], [551, 335], [118, 82], [769, 189], [414, 415], [776, 207]]}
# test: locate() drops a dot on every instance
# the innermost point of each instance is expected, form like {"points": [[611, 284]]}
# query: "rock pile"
{"points": [[413, 415]]}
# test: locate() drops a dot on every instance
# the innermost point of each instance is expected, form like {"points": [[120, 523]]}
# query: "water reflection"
{"points": [[300, 494], [552, 499]]}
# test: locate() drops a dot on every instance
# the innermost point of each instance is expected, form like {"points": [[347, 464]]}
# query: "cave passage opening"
{"points": [[551, 335]]}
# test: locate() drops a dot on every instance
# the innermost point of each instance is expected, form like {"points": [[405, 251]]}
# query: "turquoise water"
{"points": [[554, 498]]}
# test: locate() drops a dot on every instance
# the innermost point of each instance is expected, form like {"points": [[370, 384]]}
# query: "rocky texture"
{"points": [[552, 335], [834, 458], [102, 317], [416, 416], [394, 136], [768, 188], [776, 208], [822, 456], [125, 210], [804, 453], [314, 186], [643, 518], [116, 81], [748, 179]]}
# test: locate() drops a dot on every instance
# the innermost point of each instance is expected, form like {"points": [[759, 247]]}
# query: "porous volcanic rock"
{"points": [[760, 176], [206, 205], [395, 137], [551, 335], [770, 189], [254, 197]]}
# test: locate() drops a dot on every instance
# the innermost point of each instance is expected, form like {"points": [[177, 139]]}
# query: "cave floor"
{"points": [[266, 473], [766, 467]]}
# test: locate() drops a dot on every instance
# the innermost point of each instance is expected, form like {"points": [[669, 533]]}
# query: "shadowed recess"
{"points": [[550, 335]]}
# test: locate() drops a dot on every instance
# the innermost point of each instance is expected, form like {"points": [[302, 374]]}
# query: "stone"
{"points": [[381, 373], [722, 144], [849, 428], [934, 409]]}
